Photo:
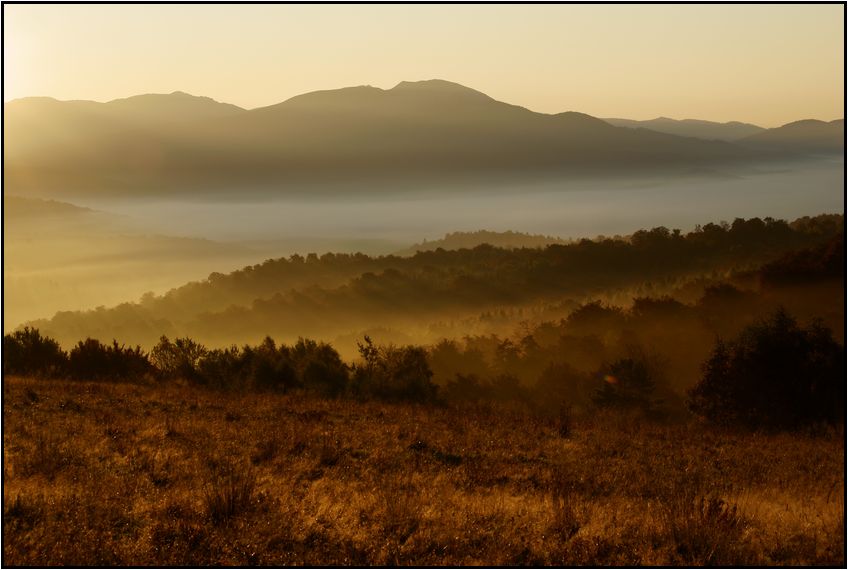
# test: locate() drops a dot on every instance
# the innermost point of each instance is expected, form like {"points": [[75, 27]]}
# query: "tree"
{"points": [[561, 384], [466, 388], [319, 367], [775, 375], [26, 351], [223, 368], [269, 367], [394, 373], [628, 383], [178, 359]]}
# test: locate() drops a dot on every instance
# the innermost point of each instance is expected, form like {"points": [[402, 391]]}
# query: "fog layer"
{"points": [[383, 223]]}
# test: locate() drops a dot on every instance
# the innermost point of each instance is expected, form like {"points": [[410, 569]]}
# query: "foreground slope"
{"points": [[191, 477]]}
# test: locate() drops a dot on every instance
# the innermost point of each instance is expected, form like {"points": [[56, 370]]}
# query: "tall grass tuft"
{"points": [[229, 491], [706, 530]]}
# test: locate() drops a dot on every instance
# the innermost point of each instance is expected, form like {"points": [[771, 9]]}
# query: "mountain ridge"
{"points": [[699, 128], [431, 132]]}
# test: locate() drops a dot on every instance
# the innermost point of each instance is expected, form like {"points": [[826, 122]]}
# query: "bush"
{"points": [[26, 352], [222, 368], [268, 367], [319, 367], [394, 373], [467, 388], [178, 359], [508, 388], [628, 383], [92, 360], [774, 375]]}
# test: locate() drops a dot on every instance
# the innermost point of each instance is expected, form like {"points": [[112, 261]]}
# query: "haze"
{"points": [[765, 64], [424, 285]]}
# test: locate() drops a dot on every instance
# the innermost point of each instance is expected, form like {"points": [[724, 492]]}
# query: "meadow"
{"points": [[99, 473]]}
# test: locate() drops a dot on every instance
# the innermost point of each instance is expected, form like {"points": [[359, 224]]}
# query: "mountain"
{"points": [[417, 132], [470, 240], [17, 208], [809, 136], [85, 141], [175, 107], [707, 130]]}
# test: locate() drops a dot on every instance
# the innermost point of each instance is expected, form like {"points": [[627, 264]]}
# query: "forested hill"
{"points": [[339, 293], [459, 240]]}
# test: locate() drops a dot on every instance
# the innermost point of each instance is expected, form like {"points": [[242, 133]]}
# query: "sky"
{"points": [[765, 64]]}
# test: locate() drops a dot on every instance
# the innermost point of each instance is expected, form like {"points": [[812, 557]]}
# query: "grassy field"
{"points": [[112, 474]]}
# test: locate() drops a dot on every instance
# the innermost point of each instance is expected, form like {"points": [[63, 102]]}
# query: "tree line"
{"points": [[775, 374]]}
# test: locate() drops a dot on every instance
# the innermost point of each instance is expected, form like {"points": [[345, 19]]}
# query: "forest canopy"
{"points": [[343, 295]]}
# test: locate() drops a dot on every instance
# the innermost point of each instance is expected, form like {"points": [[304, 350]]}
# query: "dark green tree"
{"points": [[774, 375]]}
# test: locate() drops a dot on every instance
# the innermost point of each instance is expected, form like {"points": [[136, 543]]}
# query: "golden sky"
{"points": [[767, 64]]}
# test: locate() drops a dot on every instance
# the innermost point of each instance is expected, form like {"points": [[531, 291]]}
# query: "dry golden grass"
{"points": [[101, 474]]}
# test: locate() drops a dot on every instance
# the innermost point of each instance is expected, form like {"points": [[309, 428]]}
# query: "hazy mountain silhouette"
{"points": [[425, 131], [708, 130], [20, 208], [59, 256], [177, 106], [808, 136]]}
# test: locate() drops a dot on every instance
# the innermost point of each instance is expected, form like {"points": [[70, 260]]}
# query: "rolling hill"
{"points": [[341, 294], [59, 256]]}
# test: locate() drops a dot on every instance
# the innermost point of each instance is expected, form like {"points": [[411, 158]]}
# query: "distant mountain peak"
{"points": [[436, 86]]}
